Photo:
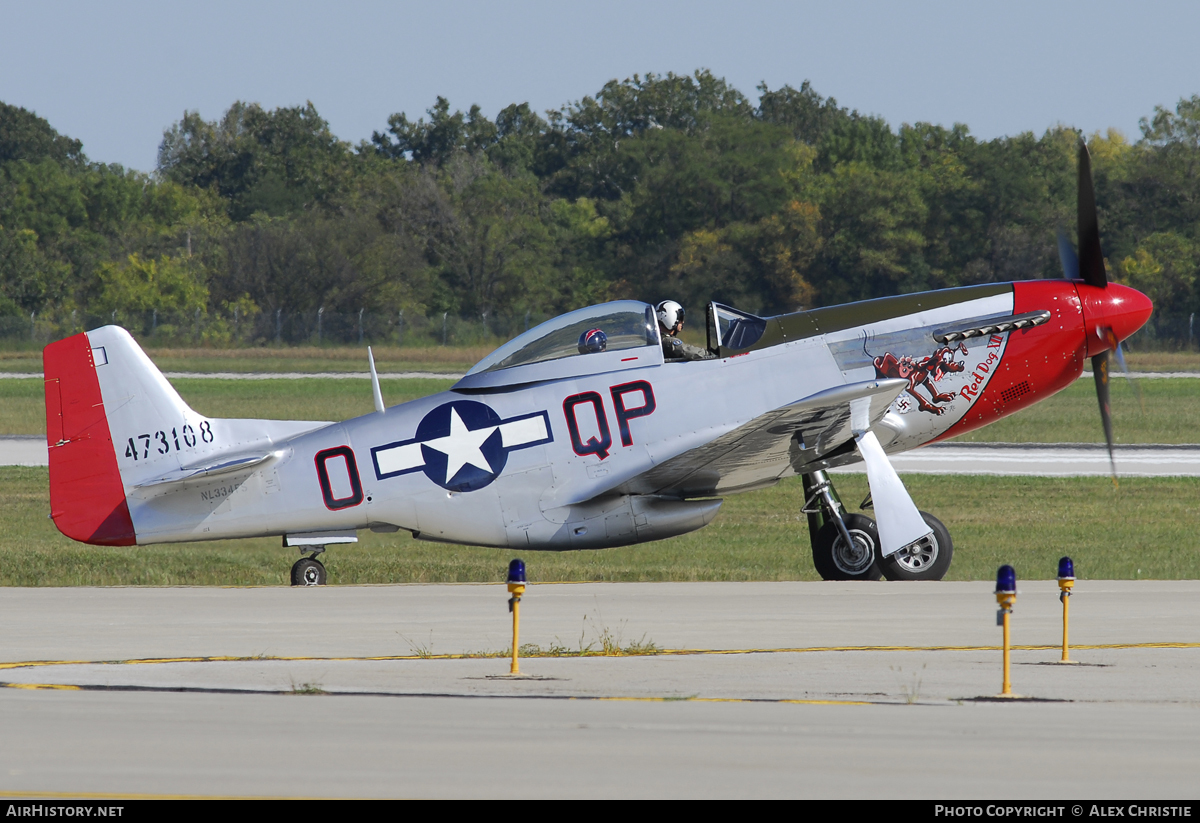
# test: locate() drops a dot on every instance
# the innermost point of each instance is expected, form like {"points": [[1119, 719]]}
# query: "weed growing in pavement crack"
{"points": [[911, 692], [307, 688]]}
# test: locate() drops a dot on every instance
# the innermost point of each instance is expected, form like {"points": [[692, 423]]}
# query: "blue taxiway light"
{"points": [[1006, 580], [516, 571], [1066, 569]]}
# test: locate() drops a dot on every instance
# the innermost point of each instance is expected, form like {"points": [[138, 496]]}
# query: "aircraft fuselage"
{"points": [[594, 457]]}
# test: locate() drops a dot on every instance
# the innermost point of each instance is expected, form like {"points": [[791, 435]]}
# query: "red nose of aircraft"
{"points": [[1116, 307]]}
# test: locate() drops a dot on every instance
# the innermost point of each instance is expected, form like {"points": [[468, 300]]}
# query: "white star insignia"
{"points": [[461, 446]]}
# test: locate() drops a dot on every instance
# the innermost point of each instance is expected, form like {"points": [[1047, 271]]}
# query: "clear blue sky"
{"points": [[116, 74]]}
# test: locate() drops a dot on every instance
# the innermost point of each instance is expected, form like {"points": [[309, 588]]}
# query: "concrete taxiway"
{"points": [[760, 689]]}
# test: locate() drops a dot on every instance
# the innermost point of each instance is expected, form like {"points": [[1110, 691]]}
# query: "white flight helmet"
{"points": [[669, 313]]}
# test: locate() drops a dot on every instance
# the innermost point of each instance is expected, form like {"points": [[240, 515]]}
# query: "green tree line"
{"points": [[657, 186]]}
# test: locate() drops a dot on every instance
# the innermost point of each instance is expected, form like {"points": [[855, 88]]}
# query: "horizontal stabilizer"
{"points": [[227, 466]]}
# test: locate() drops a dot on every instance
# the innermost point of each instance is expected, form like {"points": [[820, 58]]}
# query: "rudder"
{"points": [[87, 497]]}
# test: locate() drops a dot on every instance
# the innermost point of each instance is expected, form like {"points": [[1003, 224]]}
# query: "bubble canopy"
{"points": [[628, 324]]}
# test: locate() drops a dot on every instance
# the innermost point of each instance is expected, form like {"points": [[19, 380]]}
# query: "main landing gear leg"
{"points": [[844, 546], [309, 571]]}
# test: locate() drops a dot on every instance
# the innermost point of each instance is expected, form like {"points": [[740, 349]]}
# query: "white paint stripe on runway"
{"points": [[24, 450], [1049, 461]]}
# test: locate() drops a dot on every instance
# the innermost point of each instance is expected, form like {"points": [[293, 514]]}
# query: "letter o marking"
{"points": [[347, 473]]}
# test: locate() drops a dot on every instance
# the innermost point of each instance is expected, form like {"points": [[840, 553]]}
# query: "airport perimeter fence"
{"points": [[1165, 331], [278, 328]]}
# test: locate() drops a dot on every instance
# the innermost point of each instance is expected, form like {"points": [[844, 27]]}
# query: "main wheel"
{"points": [[928, 559], [837, 561], [308, 571]]}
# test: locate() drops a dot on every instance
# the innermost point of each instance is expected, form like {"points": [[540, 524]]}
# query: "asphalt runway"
{"points": [[759, 690], [24, 450], [1048, 460]]}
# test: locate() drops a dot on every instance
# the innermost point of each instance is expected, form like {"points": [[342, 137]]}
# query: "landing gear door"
{"points": [[731, 331]]}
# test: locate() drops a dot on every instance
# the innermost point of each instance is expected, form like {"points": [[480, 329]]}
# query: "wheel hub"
{"points": [[854, 559], [312, 576], [920, 555]]}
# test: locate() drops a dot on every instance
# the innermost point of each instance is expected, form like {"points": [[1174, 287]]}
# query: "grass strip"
{"points": [[1145, 529], [1167, 415]]}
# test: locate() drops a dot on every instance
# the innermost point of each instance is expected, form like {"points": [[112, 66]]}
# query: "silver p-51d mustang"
{"points": [[565, 438]]}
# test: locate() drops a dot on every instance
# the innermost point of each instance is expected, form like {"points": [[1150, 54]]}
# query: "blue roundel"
{"points": [[462, 445]]}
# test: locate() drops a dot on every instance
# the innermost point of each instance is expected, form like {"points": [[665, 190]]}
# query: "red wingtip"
{"points": [[87, 498]]}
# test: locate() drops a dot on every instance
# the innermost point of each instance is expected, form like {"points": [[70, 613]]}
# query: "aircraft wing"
{"points": [[774, 445]]}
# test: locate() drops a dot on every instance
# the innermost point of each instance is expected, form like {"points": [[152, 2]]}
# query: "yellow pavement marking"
{"points": [[568, 655], [57, 686]]}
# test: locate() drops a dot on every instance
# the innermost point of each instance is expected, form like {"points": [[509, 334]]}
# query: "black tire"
{"points": [[308, 572], [927, 560], [832, 559]]}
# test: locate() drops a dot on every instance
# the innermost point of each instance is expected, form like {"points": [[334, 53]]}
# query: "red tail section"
{"points": [[87, 499]]}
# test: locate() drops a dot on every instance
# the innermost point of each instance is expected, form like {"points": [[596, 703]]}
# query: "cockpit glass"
{"points": [[729, 328], [627, 324]]}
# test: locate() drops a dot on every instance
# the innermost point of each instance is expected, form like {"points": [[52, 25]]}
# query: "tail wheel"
{"points": [[927, 559], [837, 561]]}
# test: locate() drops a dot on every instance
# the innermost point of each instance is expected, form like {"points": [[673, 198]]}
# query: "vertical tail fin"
{"points": [[116, 427], [112, 422]]}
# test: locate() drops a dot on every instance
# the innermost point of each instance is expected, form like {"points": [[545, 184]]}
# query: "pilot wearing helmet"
{"points": [[593, 341], [670, 323]]}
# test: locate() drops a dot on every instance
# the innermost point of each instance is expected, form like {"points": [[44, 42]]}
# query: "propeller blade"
{"points": [[1100, 373], [1068, 258], [1134, 384], [1091, 258], [1090, 268]]}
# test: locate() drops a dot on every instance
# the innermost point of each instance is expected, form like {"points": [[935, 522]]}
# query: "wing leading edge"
{"points": [[778, 444]]}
